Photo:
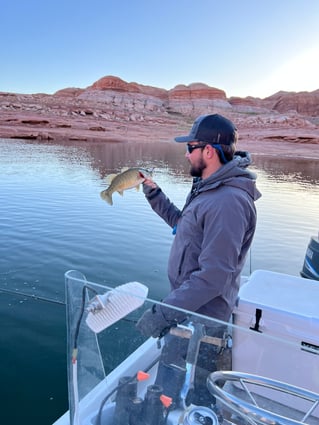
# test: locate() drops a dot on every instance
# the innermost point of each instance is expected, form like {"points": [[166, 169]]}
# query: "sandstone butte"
{"points": [[112, 110]]}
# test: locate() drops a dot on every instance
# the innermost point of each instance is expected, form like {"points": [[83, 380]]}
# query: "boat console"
{"points": [[261, 370]]}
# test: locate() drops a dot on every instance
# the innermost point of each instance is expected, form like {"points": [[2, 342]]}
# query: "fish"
{"points": [[128, 179]]}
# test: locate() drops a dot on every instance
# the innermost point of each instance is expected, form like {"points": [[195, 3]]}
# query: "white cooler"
{"points": [[286, 308]]}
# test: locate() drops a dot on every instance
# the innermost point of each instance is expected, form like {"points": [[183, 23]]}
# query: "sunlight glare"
{"points": [[299, 74]]}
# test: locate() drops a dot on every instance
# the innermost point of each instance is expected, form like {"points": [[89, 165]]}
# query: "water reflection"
{"points": [[107, 158], [289, 169], [111, 157]]}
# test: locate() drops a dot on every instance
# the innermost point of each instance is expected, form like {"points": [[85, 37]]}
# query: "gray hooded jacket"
{"points": [[213, 234]]}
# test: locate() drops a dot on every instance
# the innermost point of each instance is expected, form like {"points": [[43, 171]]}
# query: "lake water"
{"points": [[52, 219]]}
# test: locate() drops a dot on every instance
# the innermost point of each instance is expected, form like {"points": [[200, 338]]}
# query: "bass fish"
{"points": [[128, 179]]}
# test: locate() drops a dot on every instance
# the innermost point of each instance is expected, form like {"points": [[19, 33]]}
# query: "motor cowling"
{"points": [[310, 268]]}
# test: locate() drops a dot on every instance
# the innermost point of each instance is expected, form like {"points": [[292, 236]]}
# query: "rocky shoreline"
{"points": [[113, 110]]}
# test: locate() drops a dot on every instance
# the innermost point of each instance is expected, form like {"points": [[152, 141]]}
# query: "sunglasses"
{"points": [[190, 148], [221, 154]]}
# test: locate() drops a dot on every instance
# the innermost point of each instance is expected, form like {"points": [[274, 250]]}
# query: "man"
{"points": [[213, 232]]}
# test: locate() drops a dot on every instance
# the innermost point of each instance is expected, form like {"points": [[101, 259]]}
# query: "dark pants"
{"points": [[172, 366]]}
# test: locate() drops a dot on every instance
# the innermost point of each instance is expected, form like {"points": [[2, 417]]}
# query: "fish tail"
{"points": [[106, 196]]}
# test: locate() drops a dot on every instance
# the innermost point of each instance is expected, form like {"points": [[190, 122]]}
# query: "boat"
{"points": [[310, 269], [267, 368]]}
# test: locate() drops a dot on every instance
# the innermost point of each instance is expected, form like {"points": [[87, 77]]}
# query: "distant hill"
{"points": [[114, 110]]}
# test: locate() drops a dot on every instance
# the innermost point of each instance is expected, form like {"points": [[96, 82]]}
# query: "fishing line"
{"points": [[49, 300], [32, 296]]}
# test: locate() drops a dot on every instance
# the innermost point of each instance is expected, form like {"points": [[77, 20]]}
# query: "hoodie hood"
{"points": [[235, 174]]}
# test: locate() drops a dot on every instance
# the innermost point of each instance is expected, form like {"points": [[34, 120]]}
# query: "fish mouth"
{"points": [[142, 173]]}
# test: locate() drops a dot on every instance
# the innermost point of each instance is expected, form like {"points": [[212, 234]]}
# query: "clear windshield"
{"points": [[185, 383]]}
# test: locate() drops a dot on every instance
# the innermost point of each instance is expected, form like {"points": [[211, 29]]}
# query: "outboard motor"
{"points": [[310, 268]]}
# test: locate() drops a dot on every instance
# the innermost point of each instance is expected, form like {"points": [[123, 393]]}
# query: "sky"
{"points": [[244, 47]]}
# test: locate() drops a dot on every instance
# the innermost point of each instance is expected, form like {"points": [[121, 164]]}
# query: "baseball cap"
{"points": [[211, 129]]}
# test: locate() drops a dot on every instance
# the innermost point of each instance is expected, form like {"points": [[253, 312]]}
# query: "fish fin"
{"points": [[110, 178], [137, 188], [106, 197], [124, 169], [120, 192]]}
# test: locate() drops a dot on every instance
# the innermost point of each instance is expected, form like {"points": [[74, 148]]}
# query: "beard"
{"points": [[197, 169]]}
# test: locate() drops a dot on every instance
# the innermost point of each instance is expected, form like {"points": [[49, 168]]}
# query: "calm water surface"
{"points": [[52, 220]]}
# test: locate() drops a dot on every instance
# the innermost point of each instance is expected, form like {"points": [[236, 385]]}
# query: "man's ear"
{"points": [[210, 151]]}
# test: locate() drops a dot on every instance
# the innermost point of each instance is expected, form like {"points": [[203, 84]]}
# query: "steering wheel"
{"points": [[250, 410]]}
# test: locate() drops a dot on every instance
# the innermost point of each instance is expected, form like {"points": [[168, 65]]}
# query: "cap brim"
{"points": [[184, 139]]}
